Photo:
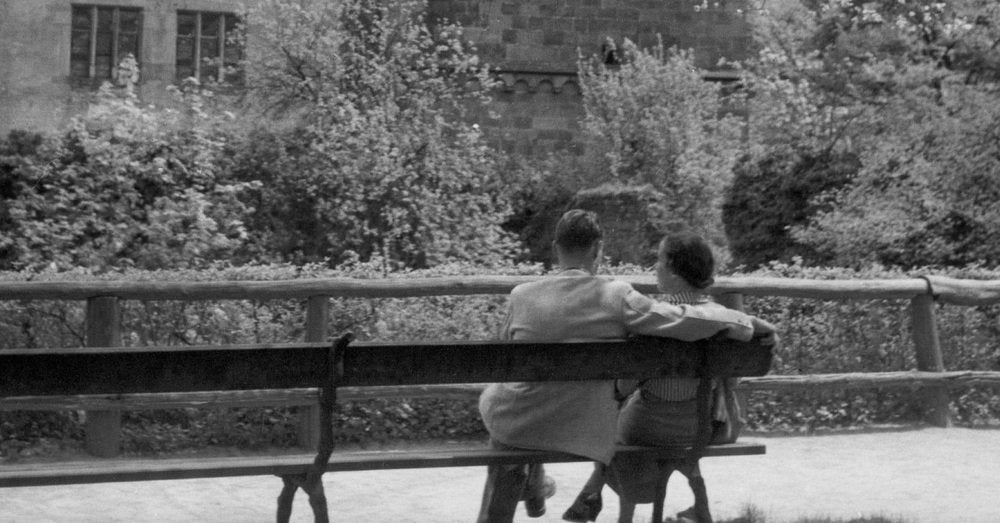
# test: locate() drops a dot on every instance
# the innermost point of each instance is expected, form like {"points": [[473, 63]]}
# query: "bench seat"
{"points": [[117, 470]]}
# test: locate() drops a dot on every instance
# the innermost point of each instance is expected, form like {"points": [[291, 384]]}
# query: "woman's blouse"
{"points": [[668, 389]]}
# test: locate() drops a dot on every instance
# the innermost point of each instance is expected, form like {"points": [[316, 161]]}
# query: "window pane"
{"points": [[185, 49], [209, 48], [185, 24], [209, 59], [104, 43], [105, 19], [81, 18], [79, 68], [129, 21], [233, 54], [102, 67], [80, 45], [233, 50], [210, 24], [184, 71], [128, 43], [209, 73], [232, 24]]}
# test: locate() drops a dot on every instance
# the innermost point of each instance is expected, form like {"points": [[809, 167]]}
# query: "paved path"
{"points": [[923, 475]]}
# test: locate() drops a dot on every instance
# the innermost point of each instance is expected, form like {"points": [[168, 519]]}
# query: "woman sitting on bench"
{"points": [[654, 412]]}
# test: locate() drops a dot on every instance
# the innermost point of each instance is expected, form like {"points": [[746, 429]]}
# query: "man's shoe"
{"points": [[687, 515], [585, 508], [535, 506]]}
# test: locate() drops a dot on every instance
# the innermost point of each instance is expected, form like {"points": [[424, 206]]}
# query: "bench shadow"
{"points": [[870, 429]]}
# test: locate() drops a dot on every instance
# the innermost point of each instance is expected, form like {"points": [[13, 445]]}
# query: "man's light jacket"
{"points": [[580, 417]]}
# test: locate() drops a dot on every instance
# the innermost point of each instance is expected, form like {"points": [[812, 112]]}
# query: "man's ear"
{"points": [[598, 251]]}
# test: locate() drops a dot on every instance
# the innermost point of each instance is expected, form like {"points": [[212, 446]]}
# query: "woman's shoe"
{"points": [[585, 508], [687, 515]]}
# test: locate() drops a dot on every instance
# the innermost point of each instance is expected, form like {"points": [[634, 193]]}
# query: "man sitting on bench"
{"points": [[577, 417]]}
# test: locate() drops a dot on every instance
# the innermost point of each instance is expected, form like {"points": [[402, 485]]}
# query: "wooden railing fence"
{"points": [[103, 328]]}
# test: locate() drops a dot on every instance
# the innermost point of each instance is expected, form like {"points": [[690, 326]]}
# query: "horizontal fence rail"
{"points": [[103, 329], [951, 291], [943, 289]]}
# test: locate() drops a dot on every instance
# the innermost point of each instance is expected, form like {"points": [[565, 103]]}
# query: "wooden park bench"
{"points": [[83, 372]]}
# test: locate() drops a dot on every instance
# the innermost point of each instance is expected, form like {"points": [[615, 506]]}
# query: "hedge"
{"points": [[817, 337]]}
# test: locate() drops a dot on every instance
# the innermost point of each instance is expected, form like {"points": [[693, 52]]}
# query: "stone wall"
{"points": [[536, 45], [533, 44], [36, 92]]}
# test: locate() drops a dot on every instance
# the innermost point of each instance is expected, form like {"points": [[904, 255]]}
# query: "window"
{"points": [[101, 38], [204, 42]]}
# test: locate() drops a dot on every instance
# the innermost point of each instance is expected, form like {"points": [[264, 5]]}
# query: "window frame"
{"points": [[198, 61], [93, 30]]}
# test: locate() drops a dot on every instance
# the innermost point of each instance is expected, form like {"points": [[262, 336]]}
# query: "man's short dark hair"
{"points": [[577, 230]]}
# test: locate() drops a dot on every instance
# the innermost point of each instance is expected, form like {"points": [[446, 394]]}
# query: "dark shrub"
{"points": [[770, 195]]}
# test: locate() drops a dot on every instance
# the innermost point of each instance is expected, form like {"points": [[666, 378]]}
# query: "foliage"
{"points": [[125, 185], [910, 88], [817, 337], [59, 324], [365, 152], [627, 215], [658, 123], [541, 191], [844, 336], [772, 194], [929, 193]]}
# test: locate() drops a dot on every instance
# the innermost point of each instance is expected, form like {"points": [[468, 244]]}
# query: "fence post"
{"points": [[731, 300], [317, 310], [928, 348], [103, 329]]}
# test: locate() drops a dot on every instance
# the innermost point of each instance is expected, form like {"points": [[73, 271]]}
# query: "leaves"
{"points": [[375, 159], [127, 185], [910, 89], [658, 123]]}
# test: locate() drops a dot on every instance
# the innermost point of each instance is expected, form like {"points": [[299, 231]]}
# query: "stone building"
{"points": [[53, 53]]}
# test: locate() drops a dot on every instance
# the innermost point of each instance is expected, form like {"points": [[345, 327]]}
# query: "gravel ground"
{"points": [[919, 475]]}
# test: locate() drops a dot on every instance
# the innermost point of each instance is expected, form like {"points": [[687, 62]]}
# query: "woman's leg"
{"points": [[588, 502], [626, 510], [596, 480]]}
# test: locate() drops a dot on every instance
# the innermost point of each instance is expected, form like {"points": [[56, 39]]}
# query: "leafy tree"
{"points": [[928, 193], [370, 155], [125, 185], [909, 88], [658, 123]]}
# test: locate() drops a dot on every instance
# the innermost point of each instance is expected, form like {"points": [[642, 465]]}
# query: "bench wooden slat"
{"points": [[128, 370], [224, 399], [118, 470]]}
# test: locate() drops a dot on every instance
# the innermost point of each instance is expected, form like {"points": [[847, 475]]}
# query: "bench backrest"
{"points": [[129, 370]]}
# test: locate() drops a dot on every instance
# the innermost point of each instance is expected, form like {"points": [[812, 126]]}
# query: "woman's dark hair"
{"points": [[689, 257], [577, 229]]}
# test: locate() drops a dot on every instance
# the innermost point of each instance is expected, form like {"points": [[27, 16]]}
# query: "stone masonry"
{"points": [[534, 46]]}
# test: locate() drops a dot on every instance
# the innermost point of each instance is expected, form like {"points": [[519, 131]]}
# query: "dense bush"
{"points": [[55, 324], [363, 150], [910, 89], [773, 194], [125, 185], [351, 143], [867, 336], [818, 337], [659, 124]]}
